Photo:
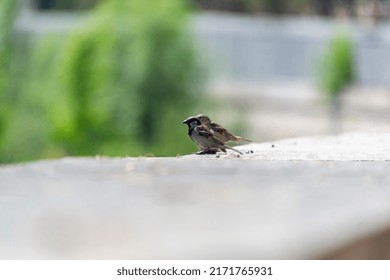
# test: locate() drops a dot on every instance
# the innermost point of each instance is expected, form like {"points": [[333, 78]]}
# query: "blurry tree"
{"points": [[8, 10], [336, 71], [120, 84], [337, 66], [11, 56], [127, 74]]}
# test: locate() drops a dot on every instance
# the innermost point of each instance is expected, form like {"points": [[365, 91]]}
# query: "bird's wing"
{"points": [[206, 133], [203, 131], [217, 128]]}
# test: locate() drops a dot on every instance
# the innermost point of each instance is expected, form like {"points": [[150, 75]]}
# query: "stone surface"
{"points": [[291, 199], [358, 146]]}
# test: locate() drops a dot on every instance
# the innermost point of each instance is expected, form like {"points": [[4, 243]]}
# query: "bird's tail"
{"points": [[239, 138], [237, 151]]}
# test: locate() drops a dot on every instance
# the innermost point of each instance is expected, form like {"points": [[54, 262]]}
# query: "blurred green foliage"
{"points": [[10, 46], [336, 67], [118, 85]]}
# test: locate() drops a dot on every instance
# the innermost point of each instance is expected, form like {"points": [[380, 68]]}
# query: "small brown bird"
{"points": [[221, 133], [203, 138]]}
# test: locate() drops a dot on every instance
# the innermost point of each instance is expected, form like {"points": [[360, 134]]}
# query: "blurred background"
{"points": [[116, 78]]}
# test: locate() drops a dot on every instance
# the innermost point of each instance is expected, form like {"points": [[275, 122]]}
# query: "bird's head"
{"points": [[192, 121], [203, 119]]}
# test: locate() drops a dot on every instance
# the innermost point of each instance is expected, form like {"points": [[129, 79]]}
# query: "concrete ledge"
{"points": [[357, 146], [298, 199]]}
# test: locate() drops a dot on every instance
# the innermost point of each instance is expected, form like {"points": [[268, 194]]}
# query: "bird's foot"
{"points": [[207, 152]]}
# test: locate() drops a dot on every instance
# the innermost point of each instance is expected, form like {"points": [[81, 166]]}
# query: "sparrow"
{"points": [[221, 133], [205, 140]]}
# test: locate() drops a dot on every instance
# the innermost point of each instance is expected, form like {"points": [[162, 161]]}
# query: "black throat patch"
{"points": [[191, 128]]}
